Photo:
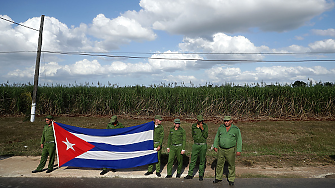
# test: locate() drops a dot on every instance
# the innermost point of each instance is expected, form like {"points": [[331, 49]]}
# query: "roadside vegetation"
{"points": [[272, 143], [281, 125], [296, 101]]}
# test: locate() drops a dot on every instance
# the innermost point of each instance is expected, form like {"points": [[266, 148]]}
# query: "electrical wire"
{"points": [[194, 59], [19, 24], [94, 54]]}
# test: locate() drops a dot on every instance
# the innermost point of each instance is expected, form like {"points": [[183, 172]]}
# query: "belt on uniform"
{"points": [[50, 142], [156, 142], [226, 148], [177, 144], [200, 143]]}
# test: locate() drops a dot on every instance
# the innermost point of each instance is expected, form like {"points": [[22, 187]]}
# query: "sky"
{"points": [[161, 42]]}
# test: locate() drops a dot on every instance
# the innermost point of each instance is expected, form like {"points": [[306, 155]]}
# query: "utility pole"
{"points": [[37, 70]]}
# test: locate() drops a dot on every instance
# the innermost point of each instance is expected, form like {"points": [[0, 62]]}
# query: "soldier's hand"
{"points": [[158, 148], [42, 146], [238, 153], [216, 149]]}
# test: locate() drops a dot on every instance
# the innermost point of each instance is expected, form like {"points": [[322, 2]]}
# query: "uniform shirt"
{"points": [[177, 137], [228, 139], [198, 135], [159, 134], [117, 126], [48, 134]]}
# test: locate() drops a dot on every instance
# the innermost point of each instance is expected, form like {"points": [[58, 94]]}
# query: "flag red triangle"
{"points": [[68, 145]]}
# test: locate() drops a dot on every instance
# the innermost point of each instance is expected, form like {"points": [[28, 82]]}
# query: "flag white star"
{"points": [[69, 145]]}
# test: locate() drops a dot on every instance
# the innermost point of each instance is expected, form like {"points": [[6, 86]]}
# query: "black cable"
{"points": [[185, 59], [181, 53], [19, 24], [193, 59]]}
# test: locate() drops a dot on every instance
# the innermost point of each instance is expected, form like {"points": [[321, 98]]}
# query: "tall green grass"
{"points": [[242, 102]]}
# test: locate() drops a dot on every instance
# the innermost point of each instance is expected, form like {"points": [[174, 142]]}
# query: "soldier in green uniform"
{"points": [[113, 124], [228, 143], [48, 145], [199, 148], [158, 141], [176, 148]]}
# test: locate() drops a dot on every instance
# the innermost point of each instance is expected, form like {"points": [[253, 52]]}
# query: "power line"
{"points": [[19, 24], [177, 53], [94, 54], [193, 59]]}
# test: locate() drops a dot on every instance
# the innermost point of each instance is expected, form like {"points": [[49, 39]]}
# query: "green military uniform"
{"points": [[228, 143], [49, 147], [176, 143], [199, 148], [111, 126], [158, 141], [117, 126]]}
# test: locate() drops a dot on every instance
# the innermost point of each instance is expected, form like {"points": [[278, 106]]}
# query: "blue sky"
{"points": [[181, 41]]}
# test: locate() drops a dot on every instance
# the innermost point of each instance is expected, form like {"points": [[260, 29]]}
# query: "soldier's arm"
{"points": [[239, 142], [169, 142], [43, 137], [161, 137], [205, 132], [216, 139], [184, 140]]}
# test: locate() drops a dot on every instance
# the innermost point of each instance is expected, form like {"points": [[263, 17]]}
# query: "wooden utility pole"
{"points": [[37, 70]]}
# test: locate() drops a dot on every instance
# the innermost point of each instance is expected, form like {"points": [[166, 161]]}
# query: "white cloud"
{"points": [[85, 67], [123, 27], [17, 38], [118, 31], [297, 49], [172, 61], [268, 74], [327, 45], [222, 43], [323, 46], [328, 32], [180, 79], [206, 17], [299, 38]]}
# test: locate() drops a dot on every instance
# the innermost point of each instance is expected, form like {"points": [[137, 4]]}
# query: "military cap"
{"points": [[200, 118], [113, 119], [49, 117], [177, 121], [159, 117], [227, 118]]}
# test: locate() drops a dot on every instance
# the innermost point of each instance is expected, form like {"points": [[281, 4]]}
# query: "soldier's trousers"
{"points": [[226, 155], [175, 151], [198, 151], [158, 164], [49, 149]]}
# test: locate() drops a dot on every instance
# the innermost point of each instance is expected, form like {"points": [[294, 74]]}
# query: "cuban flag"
{"points": [[110, 148]]}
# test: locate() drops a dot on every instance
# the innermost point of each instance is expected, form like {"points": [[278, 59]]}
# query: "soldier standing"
{"points": [[228, 143], [48, 145], [158, 141], [176, 148], [113, 124], [199, 148]]}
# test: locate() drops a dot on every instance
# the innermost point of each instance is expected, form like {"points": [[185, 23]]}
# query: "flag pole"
{"points": [[53, 128], [37, 67]]}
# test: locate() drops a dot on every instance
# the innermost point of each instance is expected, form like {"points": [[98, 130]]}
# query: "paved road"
{"points": [[25, 182]]}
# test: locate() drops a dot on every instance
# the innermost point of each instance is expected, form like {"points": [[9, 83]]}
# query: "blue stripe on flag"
{"points": [[146, 145], [115, 164], [109, 132]]}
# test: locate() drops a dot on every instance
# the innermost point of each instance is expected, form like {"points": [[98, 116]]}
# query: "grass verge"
{"points": [[273, 143]]}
